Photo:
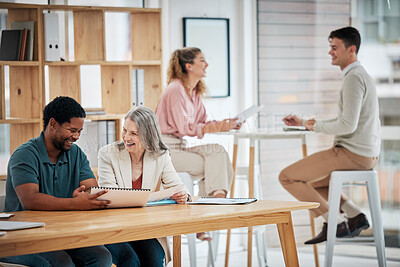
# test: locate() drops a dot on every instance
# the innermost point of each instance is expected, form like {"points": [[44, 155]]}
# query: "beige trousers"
{"points": [[208, 163], [308, 179]]}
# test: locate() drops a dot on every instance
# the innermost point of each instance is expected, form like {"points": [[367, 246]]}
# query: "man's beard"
{"points": [[60, 145]]}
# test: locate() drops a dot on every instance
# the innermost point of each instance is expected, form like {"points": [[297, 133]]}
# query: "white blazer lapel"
{"points": [[149, 180], [125, 168]]}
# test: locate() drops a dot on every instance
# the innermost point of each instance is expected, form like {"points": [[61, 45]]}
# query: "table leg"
{"points": [[176, 257], [251, 194], [315, 246], [288, 243], [232, 194]]}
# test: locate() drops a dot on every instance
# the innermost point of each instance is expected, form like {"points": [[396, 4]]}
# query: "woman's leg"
{"points": [[150, 252], [218, 171], [123, 255]]}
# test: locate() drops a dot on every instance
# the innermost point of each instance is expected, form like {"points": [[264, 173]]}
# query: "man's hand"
{"points": [[309, 124], [86, 201], [292, 120], [78, 191]]}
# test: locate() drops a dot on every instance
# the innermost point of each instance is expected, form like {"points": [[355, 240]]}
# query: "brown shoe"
{"points": [[357, 224], [342, 230]]}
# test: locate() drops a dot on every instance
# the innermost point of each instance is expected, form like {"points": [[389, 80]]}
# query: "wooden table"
{"points": [[73, 229], [262, 134]]}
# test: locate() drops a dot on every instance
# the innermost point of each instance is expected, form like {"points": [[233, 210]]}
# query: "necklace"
{"points": [[137, 163]]}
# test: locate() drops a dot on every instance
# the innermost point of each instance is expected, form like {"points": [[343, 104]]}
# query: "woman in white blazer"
{"points": [[140, 160]]}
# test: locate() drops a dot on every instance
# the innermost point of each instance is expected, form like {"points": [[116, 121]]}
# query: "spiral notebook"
{"points": [[123, 197]]}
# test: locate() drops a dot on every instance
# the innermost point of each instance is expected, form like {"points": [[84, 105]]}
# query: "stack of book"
{"points": [[17, 42]]}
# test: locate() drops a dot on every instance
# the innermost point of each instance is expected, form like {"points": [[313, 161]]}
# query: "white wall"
{"points": [[241, 14]]}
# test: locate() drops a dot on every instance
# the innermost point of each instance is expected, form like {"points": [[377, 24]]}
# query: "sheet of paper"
{"points": [[244, 115], [222, 201], [167, 193], [5, 215]]}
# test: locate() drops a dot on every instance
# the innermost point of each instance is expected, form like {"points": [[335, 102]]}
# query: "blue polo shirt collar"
{"points": [[63, 158]]}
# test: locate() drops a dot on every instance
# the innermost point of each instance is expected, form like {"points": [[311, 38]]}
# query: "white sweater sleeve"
{"points": [[350, 103]]}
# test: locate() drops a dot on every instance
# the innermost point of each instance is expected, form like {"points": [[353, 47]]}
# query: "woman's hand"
{"points": [[180, 197], [221, 126]]}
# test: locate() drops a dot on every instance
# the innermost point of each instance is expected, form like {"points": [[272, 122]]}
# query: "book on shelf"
{"points": [[95, 111], [30, 26], [51, 37], [137, 87], [10, 45], [24, 37]]}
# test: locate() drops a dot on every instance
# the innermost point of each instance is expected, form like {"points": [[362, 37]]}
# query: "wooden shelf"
{"points": [[20, 120], [79, 8], [105, 63], [19, 63], [3, 177], [105, 117], [27, 79]]}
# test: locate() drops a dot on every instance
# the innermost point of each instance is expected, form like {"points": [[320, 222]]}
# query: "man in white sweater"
{"points": [[356, 143]]}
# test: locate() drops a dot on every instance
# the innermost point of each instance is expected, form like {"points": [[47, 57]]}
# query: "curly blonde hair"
{"points": [[177, 68]]}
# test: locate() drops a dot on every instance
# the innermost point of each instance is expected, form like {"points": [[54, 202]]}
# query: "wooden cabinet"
{"points": [[26, 79]]}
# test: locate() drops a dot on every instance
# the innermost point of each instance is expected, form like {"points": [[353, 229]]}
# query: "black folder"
{"points": [[10, 44]]}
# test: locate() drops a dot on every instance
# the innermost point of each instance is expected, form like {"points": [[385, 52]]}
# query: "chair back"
{"points": [[2, 202]]}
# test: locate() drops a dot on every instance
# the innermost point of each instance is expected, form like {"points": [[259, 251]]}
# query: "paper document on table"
{"points": [[5, 215], [294, 128], [167, 193], [222, 201], [13, 225], [244, 115]]}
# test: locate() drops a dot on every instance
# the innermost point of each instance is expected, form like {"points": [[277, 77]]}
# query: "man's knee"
{"points": [[284, 179]]}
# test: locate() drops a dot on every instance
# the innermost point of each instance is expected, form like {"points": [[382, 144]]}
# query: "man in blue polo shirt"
{"points": [[51, 173]]}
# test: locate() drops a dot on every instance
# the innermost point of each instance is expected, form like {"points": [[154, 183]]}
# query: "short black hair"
{"points": [[349, 35], [62, 109]]}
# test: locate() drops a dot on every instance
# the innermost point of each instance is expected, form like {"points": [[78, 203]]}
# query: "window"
{"points": [[378, 22]]}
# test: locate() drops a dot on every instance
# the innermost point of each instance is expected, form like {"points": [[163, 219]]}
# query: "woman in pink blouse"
{"points": [[181, 112]]}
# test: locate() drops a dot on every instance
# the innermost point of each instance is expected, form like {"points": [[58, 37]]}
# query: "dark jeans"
{"points": [[97, 256], [145, 253]]}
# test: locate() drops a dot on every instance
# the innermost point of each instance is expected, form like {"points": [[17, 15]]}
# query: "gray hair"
{"points": [[148, 129]]}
